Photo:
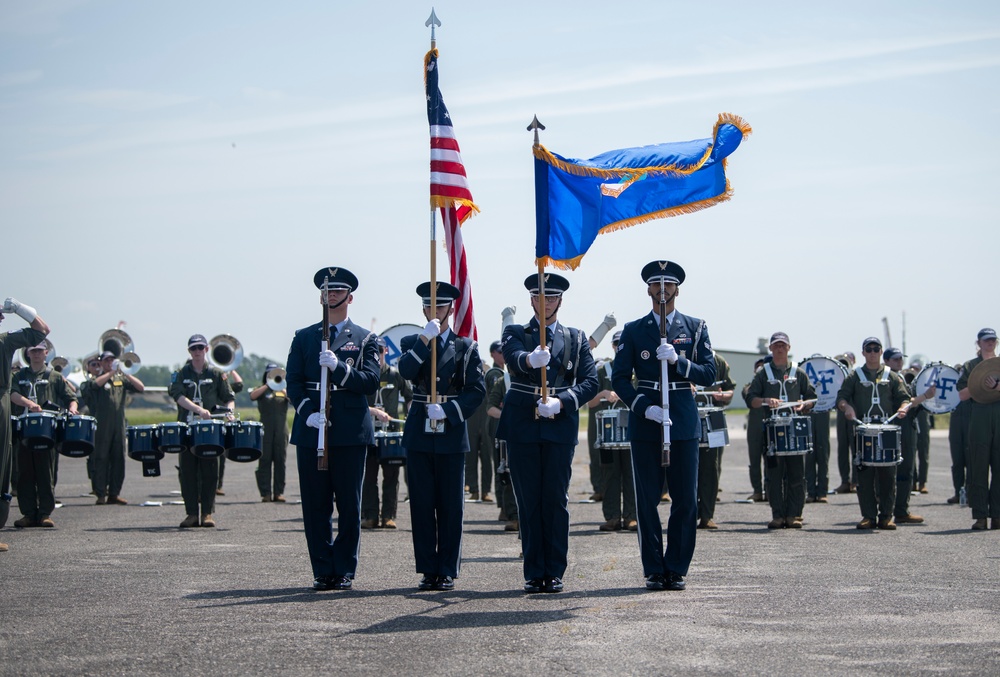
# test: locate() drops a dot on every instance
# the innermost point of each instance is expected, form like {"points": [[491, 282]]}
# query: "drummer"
{"points": [[777, 383], [870, 393], [105, 396], [198, 388], [32, 387], [984, 439]]}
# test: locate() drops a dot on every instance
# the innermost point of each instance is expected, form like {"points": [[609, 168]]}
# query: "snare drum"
{"points": [[789, 435], [612, 425], [244, 441], [826, 375], [76, 439], [174, 437], [208, 438], [714, 430], [39, 430], [878, 445], [390, 448], [944, 379], [144, 442]]}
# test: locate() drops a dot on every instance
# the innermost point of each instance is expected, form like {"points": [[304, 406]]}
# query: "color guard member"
{"points": [[541, 434], [688, 352], [435, 436], [352, 362]]}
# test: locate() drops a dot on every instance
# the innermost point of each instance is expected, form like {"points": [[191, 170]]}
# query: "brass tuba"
{"points": [[115, 341], [129, 363], [225, 352], [275, 379]]}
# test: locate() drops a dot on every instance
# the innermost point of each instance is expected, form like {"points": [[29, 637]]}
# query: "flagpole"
{"points": [[432, 22], [534, 127]]}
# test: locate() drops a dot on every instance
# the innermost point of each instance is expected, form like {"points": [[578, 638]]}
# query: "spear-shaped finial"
{"points": [[432, 21], [535, 126]]}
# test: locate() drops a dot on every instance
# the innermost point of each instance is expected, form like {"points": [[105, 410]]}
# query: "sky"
{"points": [[186, 167]]}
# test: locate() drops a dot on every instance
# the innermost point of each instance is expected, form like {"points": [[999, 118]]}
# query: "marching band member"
{"points": [[496, 392], [755, 439], [198, 389], [384, 406], [10, 342], [542, 433], [38, 387], [710, 458], [893, 358], [435, 436], [846, 444], [237, 387], [688, 352], [618, 501], [776, 383], [273, 408], [105, 396], [862, 395], [984, 439], [352, 362]]}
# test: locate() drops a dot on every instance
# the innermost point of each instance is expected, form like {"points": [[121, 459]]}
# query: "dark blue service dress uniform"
{"points": [[349, 435], [540, 450], [695, 364], [436, 461]]}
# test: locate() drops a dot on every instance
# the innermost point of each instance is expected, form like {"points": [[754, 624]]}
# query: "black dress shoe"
{"points": [[444, 583], [323, 583], [674, 581], [553, 584], [534, 585], [656, 582], [340, 583], [427, 582]]}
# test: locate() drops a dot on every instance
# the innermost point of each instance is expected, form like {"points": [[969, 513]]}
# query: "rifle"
{"points": [[324, 398]]}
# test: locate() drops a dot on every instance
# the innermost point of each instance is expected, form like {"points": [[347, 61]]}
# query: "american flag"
{"points": [[450, 194]]}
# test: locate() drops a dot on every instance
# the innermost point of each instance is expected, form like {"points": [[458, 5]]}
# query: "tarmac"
{"points": [[121, 590]]}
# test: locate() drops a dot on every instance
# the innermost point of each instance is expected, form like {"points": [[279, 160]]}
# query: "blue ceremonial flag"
{"points": [[576, 200]]}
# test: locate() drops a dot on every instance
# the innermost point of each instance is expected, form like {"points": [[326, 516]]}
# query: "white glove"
{"points": [[550, 407], [507, 317], [665, 351], [316, 420], [655, 413], [116, 365], [328, 359], [538, 358], [435, 412], [431, 329], [12, 305], [603, 328]]}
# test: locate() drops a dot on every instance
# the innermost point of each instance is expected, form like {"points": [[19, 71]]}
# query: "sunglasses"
{"points": [[872, 348], [198, 349]]}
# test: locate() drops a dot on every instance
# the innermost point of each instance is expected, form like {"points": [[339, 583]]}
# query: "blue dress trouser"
{"points": [[437, 506], [341, 482], [540, 473], [682, 476]]}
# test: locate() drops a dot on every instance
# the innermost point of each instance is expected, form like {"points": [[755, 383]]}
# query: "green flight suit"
{"points": [[270, 473], [710, 459], [199, 477], [876, 484], [391, 387], [983, 461], [107, 405]]}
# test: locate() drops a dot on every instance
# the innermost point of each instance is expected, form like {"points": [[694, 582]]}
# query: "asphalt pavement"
{"points": [[121, 590]]}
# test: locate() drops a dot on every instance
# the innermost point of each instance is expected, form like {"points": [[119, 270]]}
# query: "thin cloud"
{"points": [[19, 78]]}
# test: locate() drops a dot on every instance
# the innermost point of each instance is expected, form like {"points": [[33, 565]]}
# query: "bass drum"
{"points": [[944, 379], [826, 375], [392, 337]]}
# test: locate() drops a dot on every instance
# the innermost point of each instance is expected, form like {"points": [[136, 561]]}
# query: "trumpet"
{"points": [[115, 341], [225, 352], [275, 379]]}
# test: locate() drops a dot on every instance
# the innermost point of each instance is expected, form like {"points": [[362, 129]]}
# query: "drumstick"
{"points": [[787, 405]]}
